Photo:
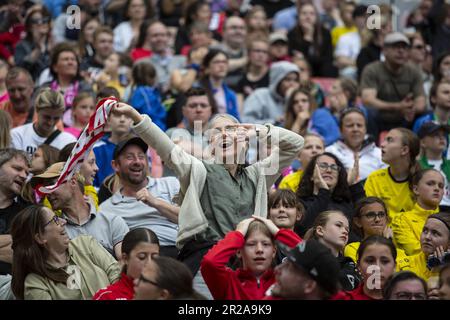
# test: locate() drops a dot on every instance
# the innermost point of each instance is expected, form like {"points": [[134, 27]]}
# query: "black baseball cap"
{"points": [[125, 143], [317, 261], [429, 128]]}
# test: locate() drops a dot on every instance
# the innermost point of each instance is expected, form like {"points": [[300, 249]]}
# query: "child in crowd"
{"points": [[375, 254], [254, 244], [145, 97], [138, 246], [433, 141], [331, 228], [83, 108], [371, 219], [428, 189]]}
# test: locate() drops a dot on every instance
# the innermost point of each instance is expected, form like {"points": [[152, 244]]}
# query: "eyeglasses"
{"points": [[373, 215], [54, 219], [325, 166], [195, 105], [144, 279], [403, 295]]}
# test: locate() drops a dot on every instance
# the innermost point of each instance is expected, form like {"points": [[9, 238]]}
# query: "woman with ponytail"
{"points": [[399, 150]]}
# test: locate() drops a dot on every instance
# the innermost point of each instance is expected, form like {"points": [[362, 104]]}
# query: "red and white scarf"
{"points": [[94, 131]]}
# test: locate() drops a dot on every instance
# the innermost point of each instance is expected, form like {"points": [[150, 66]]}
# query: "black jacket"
{"points": [[349, 276], [324, 201]]}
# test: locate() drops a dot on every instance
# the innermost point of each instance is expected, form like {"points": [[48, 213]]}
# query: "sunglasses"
{"points": [[40, 21]]}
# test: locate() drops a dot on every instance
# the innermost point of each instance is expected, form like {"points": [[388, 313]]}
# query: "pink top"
{"points": [[73, 131]]}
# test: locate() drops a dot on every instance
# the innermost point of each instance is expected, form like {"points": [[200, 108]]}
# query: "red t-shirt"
{"points": [[121, 290], [357, 294]]}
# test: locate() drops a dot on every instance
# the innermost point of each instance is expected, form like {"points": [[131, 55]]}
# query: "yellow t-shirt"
{"points": [[396, 195], [291, 181], [351, 251], [337, 32], [407, 227]]}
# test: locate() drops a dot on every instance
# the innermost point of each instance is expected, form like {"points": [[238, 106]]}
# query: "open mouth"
{"points": [[259, 260]]}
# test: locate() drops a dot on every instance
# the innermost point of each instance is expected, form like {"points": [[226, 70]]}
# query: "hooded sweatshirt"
{"points": [[265, 105]]}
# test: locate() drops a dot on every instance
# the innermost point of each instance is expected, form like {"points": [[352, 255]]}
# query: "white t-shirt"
{"points": [[25, 138], [348, 45]]}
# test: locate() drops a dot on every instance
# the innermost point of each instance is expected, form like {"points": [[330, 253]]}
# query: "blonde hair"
{"points": [[49, 99], [5, 128]]}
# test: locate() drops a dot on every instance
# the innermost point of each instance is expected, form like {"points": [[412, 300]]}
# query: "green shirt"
{"points": [[90, 269], [226, 200]]}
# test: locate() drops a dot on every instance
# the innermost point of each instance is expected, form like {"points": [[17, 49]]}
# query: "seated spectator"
{"points": [[83, 108], [33, 52], [372, 43], [375, 251], [314, 145], [284, 209], [299, 109], [126, 33], [19, 85], [310, 272], [14, 166], [267, 105], [86, 37], [306, 80], [346, 10], [420, 55], [49, 108], [312, 41], [326, 185], [142, 47], [324, 121], [143, 201], [81, 214], [65, 71], [215, 69], [331, 228], [257, 22], [120, 130], [254, 244], [257, 70], [145, 96], [444, 282], [398, 150], [356, 143], [371, 219], [181, 80], [164, 278], [196, 114], [433, 140], [234, 45], [138, 247], [44, 156], [440, 104], [199, 36], [434, 243], [115, 73], [278, 47], [38, 232], [405, 285], [103, 47], [393, 89], [348, 47], [162, 57]]}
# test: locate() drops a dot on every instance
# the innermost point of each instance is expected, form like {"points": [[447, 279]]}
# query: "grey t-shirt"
{"points": [[139, 215], [108, 229]]}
